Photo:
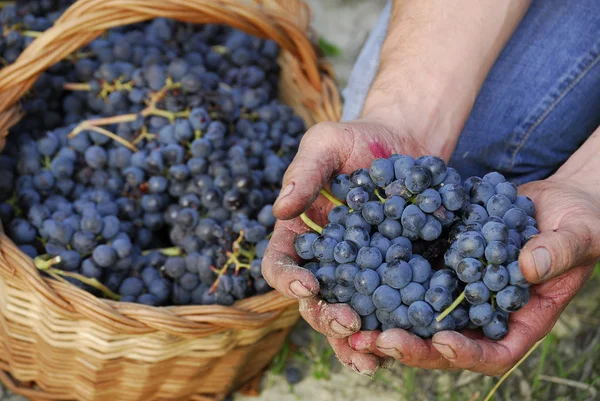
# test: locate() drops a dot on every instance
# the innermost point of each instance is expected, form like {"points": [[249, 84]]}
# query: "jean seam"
{"points": [[551, 107]]}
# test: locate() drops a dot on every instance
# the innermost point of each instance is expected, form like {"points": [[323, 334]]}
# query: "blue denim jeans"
{"points": [[540, 101]]}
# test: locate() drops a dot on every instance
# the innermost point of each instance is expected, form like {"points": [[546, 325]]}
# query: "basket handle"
{"points": [[87, 19]]}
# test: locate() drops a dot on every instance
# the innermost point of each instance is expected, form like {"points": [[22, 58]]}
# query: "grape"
{"points": [[357, 198], [418, 179], [507, 189], [412, 292], [444, 278], [369, 322], [512, 298], [369, 258], [526, 204], [366, 281], [340, 186], [345, 252], [516, 219], [494, 178], [337, 214], [438, 297], [303, 244], [21, 231], [420, 313], [362, 304], [355, 219], [382, 172], [358, 236], [496, 252], [447, 323], [431, 230], [436, 166], [421, 269], [335, 231], [104, 256], [515, 275], [469, 270], [495, 231], [497, 327], [429, 200], [373, 212], [398, 251], [386, 298], [345, 273], [390, 228], [402, 164], [460, 317], [393, 207], [131, 286], [452, 258], [471, 244], [362, 178], [413, 218], [528, 233], [474, 214], [481, 192], [495, 277], [481, 314], [397, 274], [380, 242], [452, 177], [476, 293], [498, 205], [399, 317]]}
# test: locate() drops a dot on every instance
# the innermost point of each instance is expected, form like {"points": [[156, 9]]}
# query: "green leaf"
{"points": [[328, 48]]}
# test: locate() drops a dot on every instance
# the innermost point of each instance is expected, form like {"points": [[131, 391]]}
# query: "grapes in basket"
{"points": [[377, 251], [146, 165]]}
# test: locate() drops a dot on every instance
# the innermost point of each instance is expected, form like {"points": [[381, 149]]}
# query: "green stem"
{"points": [[505, 376], [172, 251], [449, 310], [92, 282], [311, 223], [331, 198], [381, 199], [44, 262]]}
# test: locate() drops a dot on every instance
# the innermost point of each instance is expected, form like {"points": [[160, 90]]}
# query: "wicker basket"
{"points": [[61, 343]]}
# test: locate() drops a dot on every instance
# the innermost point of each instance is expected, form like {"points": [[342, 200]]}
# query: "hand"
{"points": [[560, 258], [326, 150]]}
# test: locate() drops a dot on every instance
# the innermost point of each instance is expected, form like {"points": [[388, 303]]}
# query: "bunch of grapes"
{"points": [[371, 253], [157, 185]]}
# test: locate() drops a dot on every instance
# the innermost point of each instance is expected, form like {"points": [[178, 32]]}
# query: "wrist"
{"points": [[431, 111]]}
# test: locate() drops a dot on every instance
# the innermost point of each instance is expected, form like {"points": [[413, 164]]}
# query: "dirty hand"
{"points": [[327, 149]]}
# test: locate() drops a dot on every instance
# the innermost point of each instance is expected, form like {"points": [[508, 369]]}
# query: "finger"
{"points": [[365, 342], [322, 152], [526, 326], [365, 364], [411, 350], [333, 320], [573, 243], [279, 267]]}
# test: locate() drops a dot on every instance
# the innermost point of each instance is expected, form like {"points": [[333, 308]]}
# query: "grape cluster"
{"points": [[371, 253], [157, 187]]}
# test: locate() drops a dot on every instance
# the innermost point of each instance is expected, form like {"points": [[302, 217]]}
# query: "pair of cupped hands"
{"points": [[559, 260]]}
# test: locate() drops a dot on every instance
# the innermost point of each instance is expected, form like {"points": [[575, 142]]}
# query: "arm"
{"points": [[435, 59]]}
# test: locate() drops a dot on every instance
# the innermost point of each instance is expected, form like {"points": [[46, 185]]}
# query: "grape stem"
{"points": [[505, 376], [449, 310], [311, 223], [331, 198], [172, 251], [381, 199], [45, 263]]}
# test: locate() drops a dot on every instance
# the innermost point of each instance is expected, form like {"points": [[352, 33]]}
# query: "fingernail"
{"points": [[387, 363], [541, 258], [445, 350], [366, 373], [285, 192], [299, 290], [393, 352], [340, 328]]}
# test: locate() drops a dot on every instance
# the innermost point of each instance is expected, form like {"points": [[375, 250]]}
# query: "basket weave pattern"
{"points": [[58, 342]]}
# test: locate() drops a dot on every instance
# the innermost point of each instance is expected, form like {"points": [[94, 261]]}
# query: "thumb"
{"points": [[553, 252], [322, 152]]}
